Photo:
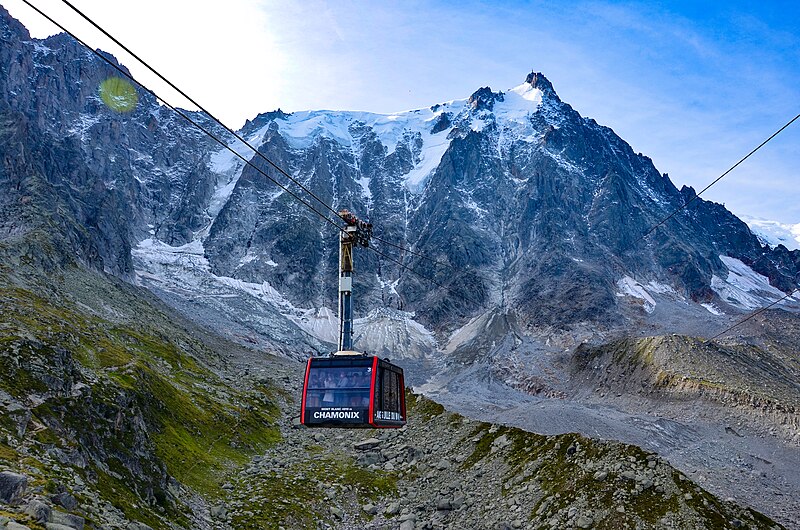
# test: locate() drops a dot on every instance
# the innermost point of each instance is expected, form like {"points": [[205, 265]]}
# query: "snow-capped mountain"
{"points": [[530, 294], [530, 211], [773, 233]]}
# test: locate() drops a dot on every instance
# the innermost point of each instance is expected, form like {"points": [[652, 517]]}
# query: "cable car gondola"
{"points": [[353, 391], [350, 389]]}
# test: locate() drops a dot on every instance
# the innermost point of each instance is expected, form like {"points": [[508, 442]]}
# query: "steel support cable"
{"points": [[243, 140], [753, 314], [412, 270], [199, 106], [182, 114], [423, 256], [697, 195], [312, 194], [758, 311], [224, 144], [402, 265]]}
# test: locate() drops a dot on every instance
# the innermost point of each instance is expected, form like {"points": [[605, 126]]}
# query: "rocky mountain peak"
{"points": [[11, 27], [538, 80], [262, 119], [541, 194], [484, 98]]}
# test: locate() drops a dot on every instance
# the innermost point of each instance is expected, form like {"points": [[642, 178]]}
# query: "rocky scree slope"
{"points": [[723, 412], [117, 413], [445, 471]]}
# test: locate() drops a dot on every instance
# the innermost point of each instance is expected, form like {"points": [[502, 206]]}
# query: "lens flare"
{"points": [[118, 94]]}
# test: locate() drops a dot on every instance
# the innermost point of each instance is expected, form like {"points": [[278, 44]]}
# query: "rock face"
{"points": [[12, 486], [536, 211], [77, 170]]}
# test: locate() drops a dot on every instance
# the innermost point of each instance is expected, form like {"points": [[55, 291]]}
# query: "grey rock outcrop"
{"points": [[12, 486]]}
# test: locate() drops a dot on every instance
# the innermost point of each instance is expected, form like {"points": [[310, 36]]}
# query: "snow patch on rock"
{"points": [[184, 268], [744, 287], [392, 333], [630, 287], [228, 164], [714, 310]]}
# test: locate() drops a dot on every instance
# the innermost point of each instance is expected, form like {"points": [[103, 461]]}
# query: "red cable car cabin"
{"points": [[351, 391]]}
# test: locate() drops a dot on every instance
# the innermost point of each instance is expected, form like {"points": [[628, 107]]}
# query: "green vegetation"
{"points": [[22, 519], [422, 407], [133, 398], [558, 465], [200, 439], [484, 444], [125, 498], [368, 484], [8, 454], [280, 500], [295, 497]]}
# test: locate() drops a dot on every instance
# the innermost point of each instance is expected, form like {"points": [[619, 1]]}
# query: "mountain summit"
{"points": [[538, 80]]}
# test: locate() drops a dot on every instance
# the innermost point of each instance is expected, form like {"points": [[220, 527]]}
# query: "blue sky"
{"points": [[693, 85]]}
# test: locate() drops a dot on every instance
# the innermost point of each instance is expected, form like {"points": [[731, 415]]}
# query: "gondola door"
{"points": [[388, 398]]}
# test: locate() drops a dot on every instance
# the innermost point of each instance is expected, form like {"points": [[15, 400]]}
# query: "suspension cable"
{"points": [[754, 314], [244, 141], [424, 277], [199, 106], [697, 195]]}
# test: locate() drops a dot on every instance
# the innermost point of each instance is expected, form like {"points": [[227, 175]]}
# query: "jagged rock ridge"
{"points": [[546, 206]]}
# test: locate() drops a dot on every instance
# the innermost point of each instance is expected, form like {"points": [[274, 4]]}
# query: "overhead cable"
{"points": [[241, 139], [427, 258], [199, 106], [751, 315], [417, 273], [697, 195]]}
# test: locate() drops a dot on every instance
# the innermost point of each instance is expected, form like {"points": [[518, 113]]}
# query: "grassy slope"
{"points": [[117, 390], [107, 383]]}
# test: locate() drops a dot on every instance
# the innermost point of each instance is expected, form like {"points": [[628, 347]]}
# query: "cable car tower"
{"points": [[355, 233], [349, 389]]}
